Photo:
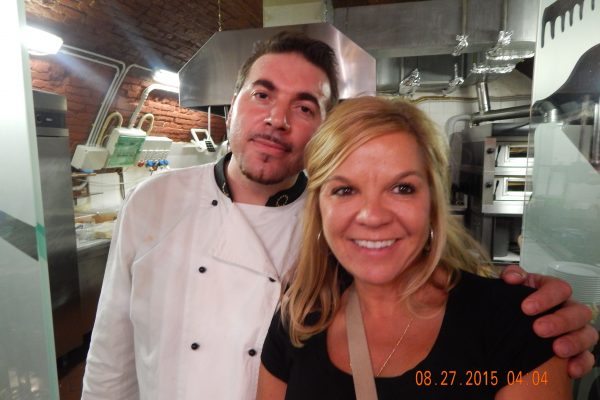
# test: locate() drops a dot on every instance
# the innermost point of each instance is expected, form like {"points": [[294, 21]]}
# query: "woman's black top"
{"points": [[485, 342]]}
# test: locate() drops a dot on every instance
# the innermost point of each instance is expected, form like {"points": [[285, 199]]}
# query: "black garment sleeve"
{"points": [[277, 350], [514, 348]]}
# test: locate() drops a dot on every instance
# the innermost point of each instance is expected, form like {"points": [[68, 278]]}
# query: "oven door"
{"points": [[509, 188], [514, 155]]}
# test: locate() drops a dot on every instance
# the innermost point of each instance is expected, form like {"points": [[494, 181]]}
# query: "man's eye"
{"points": [[342, 191], [307, 110], [260, 95], [404, 188]]}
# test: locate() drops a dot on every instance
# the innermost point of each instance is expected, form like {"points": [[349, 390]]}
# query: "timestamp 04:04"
{"points": [[479, 378]]}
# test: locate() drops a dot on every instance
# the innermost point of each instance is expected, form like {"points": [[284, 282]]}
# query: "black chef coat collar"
{"points": [[281, 198]]}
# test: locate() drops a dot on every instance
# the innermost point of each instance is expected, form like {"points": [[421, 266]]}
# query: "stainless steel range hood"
{"points": [[208, 78], [424, 35]]}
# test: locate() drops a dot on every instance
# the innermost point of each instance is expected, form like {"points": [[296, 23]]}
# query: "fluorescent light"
{"points": [[166, 77], [40, 42]]}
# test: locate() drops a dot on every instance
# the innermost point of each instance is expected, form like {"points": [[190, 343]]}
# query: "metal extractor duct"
{"points": [[208, 78]]}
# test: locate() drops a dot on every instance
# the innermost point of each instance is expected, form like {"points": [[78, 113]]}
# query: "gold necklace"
{"points": [[395, 347]]}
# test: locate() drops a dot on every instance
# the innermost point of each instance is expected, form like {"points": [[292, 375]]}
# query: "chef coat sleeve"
{"points": [[110, 367], [278, 350]]}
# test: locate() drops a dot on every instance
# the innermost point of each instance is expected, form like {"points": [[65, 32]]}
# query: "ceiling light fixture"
{"points": [[40, 42], [166, 77]]}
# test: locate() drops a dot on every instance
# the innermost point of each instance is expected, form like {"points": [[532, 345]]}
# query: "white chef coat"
{"points": [[188, 294]]}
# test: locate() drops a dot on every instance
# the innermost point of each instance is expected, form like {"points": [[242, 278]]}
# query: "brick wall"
{"points": [[169, 119], [84, 89], [85, 85], [156, 34]]}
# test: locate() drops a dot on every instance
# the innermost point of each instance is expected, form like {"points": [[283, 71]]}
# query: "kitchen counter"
{"points": [[91, 262]]}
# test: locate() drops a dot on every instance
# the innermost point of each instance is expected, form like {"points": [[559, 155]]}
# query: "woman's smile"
{"points": [[374, 244]]}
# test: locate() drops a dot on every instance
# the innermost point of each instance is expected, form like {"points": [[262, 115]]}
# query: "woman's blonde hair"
{"points": [[315, 284]]}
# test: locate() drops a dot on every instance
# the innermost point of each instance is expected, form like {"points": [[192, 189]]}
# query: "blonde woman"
{"points": [[378, 236]]}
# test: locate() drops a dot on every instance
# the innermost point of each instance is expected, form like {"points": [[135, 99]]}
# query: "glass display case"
{"points": [[561, 220]]}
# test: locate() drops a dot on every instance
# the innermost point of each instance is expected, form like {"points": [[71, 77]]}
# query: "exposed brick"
{"points": [[71, 13], [39, 66], [134, 31], [76, 107]]}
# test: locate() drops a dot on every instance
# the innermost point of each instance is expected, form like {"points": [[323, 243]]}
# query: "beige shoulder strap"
{"points": [[360, 361]]}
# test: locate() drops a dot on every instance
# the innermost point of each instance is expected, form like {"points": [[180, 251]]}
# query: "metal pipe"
{"points": [[465, 6], [114, 63], [113, 87], [587, 111], [210, 144], [208, 121], [595, 147], [225, 112], [121, 182], [422, 99], [449, 127], [504, 15], [463, 37], [119, 117], [548, 111], [110, 97], [144, 96], [505, 113], [454, 83], [96, 124], [483, 97]]}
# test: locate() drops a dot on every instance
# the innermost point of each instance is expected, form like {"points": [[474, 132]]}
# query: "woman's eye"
{"points": [[342, 191], [404, 188]]}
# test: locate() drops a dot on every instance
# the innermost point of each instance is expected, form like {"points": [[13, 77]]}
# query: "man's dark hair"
{"points": [[316, 52]]}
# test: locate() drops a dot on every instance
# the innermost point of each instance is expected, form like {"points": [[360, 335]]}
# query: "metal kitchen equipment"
{"points": [[472, 34], [493, 174], [208, 78], [57, 200]]}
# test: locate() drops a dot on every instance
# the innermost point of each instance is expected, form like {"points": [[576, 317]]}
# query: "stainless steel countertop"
{"points": [[83, 245]]}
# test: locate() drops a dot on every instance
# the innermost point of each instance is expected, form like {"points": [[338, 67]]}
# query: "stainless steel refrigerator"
{"points": [[57, 199]]}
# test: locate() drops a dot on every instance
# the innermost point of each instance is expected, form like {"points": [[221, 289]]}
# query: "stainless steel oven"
{"points": [[493, 175]]}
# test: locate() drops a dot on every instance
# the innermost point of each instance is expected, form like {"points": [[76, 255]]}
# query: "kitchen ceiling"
{"points": [[151, 33], [159, 33], [166, 34], [353, 3]]}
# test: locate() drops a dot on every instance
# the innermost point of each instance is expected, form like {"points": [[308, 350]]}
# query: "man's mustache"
{"points": [[275, 139]]}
